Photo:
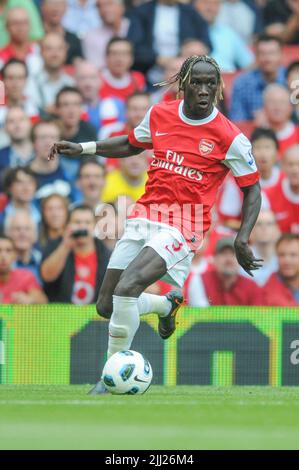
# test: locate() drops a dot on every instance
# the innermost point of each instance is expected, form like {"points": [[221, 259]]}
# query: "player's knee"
{"points": [[104, 307], [129, 286]]}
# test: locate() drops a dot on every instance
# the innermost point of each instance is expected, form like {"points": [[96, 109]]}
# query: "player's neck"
{"points": [[191, 114]]}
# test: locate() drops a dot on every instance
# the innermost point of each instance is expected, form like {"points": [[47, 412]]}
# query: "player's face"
{"points": [[200, 92], [7, 256], [288, 259]]}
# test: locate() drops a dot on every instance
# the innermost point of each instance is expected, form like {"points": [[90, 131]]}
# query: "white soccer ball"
{"points": [[127, 372]]}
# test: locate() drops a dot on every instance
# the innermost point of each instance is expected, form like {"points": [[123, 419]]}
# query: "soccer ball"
{"points": [[127, 372]]}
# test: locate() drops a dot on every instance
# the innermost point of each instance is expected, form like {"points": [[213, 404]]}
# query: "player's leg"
{"points": [[143, 271], [104, 303]]}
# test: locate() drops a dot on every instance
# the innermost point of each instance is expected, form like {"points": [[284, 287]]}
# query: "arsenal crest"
{"points": [[205, 147]]}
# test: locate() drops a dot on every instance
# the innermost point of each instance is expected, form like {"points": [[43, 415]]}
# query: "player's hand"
{"points": [[66, 148], [246, 258]]}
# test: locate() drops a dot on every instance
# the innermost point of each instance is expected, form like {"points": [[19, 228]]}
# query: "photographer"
{"points": [[73, 267]]}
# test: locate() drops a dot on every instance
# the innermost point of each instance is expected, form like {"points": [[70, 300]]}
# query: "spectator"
{"points": [[109, 224], [129, 180], [282, 289], [293, 84], [113, 24], [18, 90], [276, 14], [91, 181], [69, 110], [158, 28], [264, 238], [20, 47], [36, 27], [100, 112], [17, 286], [265, 151], [20, 186], [19, 152], [223, 285], [50, 176], [248, 88], [193, 47], [283, 198], [22, 231], [240, 17], [51, 79], [118, 81], [52, 14], [81, 16], [170, 92], [73, 267], [228, 48], [54, 212], [137, 105], [276, 114], [286, 25]]}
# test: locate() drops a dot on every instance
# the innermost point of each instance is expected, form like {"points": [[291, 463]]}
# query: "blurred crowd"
{"points": [[85, 70]]}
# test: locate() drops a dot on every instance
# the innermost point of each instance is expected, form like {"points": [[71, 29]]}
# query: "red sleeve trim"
{"points": [[247, 180], [133, 141]]}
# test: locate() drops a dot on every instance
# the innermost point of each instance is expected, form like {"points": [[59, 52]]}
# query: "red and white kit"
{"points": [[190, 161]]}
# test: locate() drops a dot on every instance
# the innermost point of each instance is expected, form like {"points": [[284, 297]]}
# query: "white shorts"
{"points": [[167, 241]]}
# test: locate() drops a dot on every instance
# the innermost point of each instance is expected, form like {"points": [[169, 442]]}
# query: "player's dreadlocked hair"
{"points": [[183, 76]]}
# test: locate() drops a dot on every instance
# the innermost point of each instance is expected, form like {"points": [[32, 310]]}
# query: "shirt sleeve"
{"points": [[240, 160], [141, 136]]}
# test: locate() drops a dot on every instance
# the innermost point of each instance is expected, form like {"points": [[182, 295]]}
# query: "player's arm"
{"points": [[250, 211], [115, 147], [240, 161]]}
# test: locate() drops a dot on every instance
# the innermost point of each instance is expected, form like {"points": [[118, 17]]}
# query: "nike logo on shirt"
{"points": [[158, 134]]}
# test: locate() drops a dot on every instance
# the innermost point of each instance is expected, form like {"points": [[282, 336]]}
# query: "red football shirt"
{"points": [[190, 161], [121, 88], [20, 280], [285, 204], [287, 137], [85, 278], [276, 293], [243, 291]]}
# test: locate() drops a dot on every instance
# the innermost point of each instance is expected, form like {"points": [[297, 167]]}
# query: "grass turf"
{"points": [[175, 418]]}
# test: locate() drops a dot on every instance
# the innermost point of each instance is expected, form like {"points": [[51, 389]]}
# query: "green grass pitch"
{"points": [[174, 418]]}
